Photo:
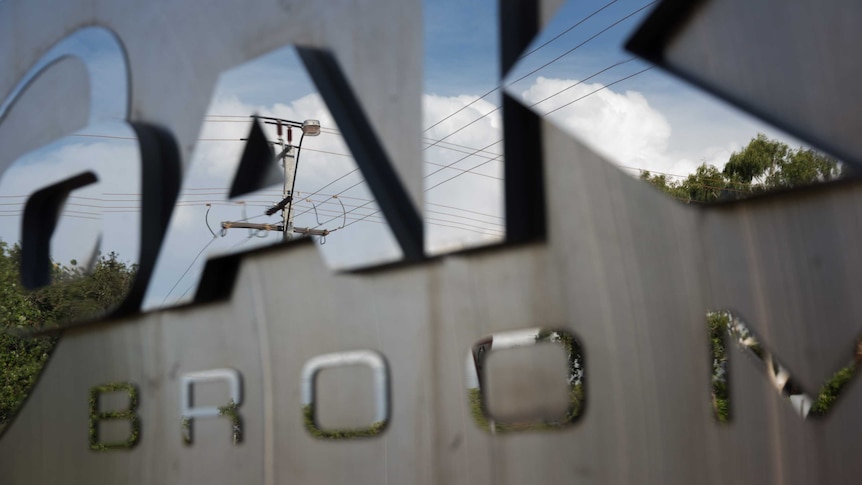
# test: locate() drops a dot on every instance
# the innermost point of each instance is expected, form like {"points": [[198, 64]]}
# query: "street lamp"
{"points": [[289, 151], [310, 128]]}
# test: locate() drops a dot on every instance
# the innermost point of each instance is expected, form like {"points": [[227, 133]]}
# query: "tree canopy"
{"points": [[761, 166], [80, 295]]}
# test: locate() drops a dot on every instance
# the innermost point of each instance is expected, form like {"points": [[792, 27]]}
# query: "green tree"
{"points": [[769, 164], [836, 384], [707, 184], [719, 323], [762, 165], [81, 296], [759, 159]]}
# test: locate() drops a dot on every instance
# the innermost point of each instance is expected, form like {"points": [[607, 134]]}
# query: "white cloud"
{"points": [[673, 133], [620, 126], [469, 124], [628, 128]]}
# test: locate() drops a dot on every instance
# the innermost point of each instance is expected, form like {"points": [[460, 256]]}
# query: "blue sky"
{"points": [[257, 82], [651, 121], [461, 46], [702, 128], [462, 52]]}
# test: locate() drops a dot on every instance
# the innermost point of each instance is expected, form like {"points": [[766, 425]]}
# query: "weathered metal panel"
{"points": [[630, 273], [792, 63]]}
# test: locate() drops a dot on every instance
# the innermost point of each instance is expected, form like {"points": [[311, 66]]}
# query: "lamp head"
{"points": [[311, 127]]}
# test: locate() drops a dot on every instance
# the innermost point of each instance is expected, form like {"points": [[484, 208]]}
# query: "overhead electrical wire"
{"points": [[544, 114], [551, 40], [437, 213], [577, 83], [569, 51], [525, 55], [471, 170], [327, 199], [430, 221], [522, 56], [597, 90], [474, 152], [483, 149], [188, 268], [327, 152], [121, 209], [499, 141], [441, 143]]}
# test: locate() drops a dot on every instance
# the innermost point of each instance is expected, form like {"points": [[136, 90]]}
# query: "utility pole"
{"points": [[289, 159]]}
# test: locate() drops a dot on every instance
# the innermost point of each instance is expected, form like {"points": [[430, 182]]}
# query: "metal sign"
{"points": [[579, 343]]}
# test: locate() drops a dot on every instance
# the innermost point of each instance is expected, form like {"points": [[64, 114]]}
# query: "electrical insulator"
{"points": [[289, 135], [278, 124]]}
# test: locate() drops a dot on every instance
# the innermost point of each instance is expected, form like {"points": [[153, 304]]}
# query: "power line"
{"points": [[545, 114], [485, 115], [427, 211], [540, 68], [440, 141], [433, 221], [483, 149], [498, 141], [597, 90], [522, 56], [334, 131], [541, 101], [532, 105], [450, 165], [578, 83], [328, 197], [517, 80], [262, 204], [497, 224], [187, 269], [500, 85], [564, 54], [567, 30], [327, 152], [65, 215], [223, 190]]}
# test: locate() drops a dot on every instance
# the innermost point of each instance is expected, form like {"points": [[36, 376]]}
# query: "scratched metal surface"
{"points": [[628, 271]]}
